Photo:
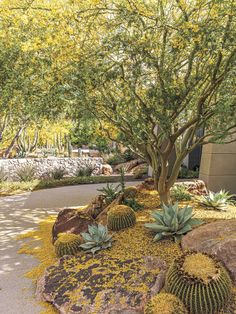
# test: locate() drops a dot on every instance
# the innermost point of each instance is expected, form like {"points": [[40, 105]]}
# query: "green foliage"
{"points": [[200, 296], [58, 173], [120, 217], [122, 179], [131, 202], [172, 222], [140, 172], [84, 172], [217, 201], [116, 159], [3, 175], [67, 244], [26, 173], [179, 193], [130, 192], [96, 239], [185, 173], [110, 192], [128, 155]]}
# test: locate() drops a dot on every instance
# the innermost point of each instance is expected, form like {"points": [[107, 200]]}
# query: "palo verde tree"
{"points": [[159, 71]]}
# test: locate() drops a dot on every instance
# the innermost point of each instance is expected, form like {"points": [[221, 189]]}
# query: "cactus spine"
{"points": [[67, 244], [200, 282], [120, 217]]}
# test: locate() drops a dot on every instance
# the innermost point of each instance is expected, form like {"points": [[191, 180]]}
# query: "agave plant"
{"points": [[96, 239], [218, 201], [110, 192], [173, 222]]}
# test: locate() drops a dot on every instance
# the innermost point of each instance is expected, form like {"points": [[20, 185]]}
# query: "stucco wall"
{"points": [[218, 167]]}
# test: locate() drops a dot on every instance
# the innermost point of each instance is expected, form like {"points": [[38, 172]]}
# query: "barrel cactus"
{"points": [[67, 244], [120, 217], [130, 192], [200, 282], [165, 303]]}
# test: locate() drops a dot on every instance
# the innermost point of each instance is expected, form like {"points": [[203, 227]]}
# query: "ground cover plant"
{"points": [[131, 241]]}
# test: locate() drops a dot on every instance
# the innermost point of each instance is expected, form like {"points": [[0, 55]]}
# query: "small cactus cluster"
{"points": [[165, 303], [120, 217], [67, 244], [200, 282]]}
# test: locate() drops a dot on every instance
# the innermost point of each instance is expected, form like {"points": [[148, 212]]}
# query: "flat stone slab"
{"points": [[101, 284], [217, 238]]}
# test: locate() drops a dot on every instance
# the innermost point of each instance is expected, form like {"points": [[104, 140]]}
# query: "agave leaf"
{"points": [[174, 222], [185, 229], [196, 222], [167, 218], [156, 227], [158, 237], [158, 216], [95, 249], [92, 229], [87, 245], [86, 236]]}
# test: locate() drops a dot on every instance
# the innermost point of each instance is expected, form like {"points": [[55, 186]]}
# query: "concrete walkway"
{"points": [[19, 214]]}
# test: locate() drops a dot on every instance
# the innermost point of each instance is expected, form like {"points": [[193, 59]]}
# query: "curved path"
{"points": [[21, 213]]}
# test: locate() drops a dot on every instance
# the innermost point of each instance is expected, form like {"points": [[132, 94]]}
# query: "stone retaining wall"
{"points": [[45, 165]]}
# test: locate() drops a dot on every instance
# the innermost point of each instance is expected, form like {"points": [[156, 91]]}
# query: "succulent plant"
{"points": [[110, 192], [218, 201], [67, 244], [165, 303], [172, 222], [120, 217], [130, 192], [97, 238], [131, 202], [180, 193], [200, 282]]}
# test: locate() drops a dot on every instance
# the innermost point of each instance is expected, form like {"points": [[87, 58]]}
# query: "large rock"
{"points": [[129, 165], [101, 285], [217, 238], [107, 170], [71, 220]]}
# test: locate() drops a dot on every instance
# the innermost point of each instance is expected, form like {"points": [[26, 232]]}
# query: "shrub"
{"points": [[200, 282], [3, 175], [130, 192], [217, 201], [140, 172], [120, 217], [26, 173], [116, 159], [131, 202], [128, 155], [84, 172], [97, 238], [165, 303], [185, 173], [110, 192], [57, 173], [172, 222], [179, 193], [67, 244]]}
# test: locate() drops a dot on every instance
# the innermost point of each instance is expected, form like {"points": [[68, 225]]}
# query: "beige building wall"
{"points": [[218, 167]]}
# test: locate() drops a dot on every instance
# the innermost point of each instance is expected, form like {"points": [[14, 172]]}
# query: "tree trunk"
{"points": [[14, 140], [165, 197]]}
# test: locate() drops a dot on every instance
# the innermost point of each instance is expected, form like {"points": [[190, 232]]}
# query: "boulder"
{"points": [[129, 165], [107, 170], [196, 187], [216, 238], [71, 220], [101, 284]]}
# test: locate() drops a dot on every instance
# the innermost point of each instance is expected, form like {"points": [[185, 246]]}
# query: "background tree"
{"points": [[159, 71]]}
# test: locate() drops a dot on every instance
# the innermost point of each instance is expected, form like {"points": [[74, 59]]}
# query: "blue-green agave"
{"points": [[173, 222], [218, 201], [96, 239]]}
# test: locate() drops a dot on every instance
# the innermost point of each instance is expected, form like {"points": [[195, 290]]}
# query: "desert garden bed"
{"points": [[131, 273]]}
